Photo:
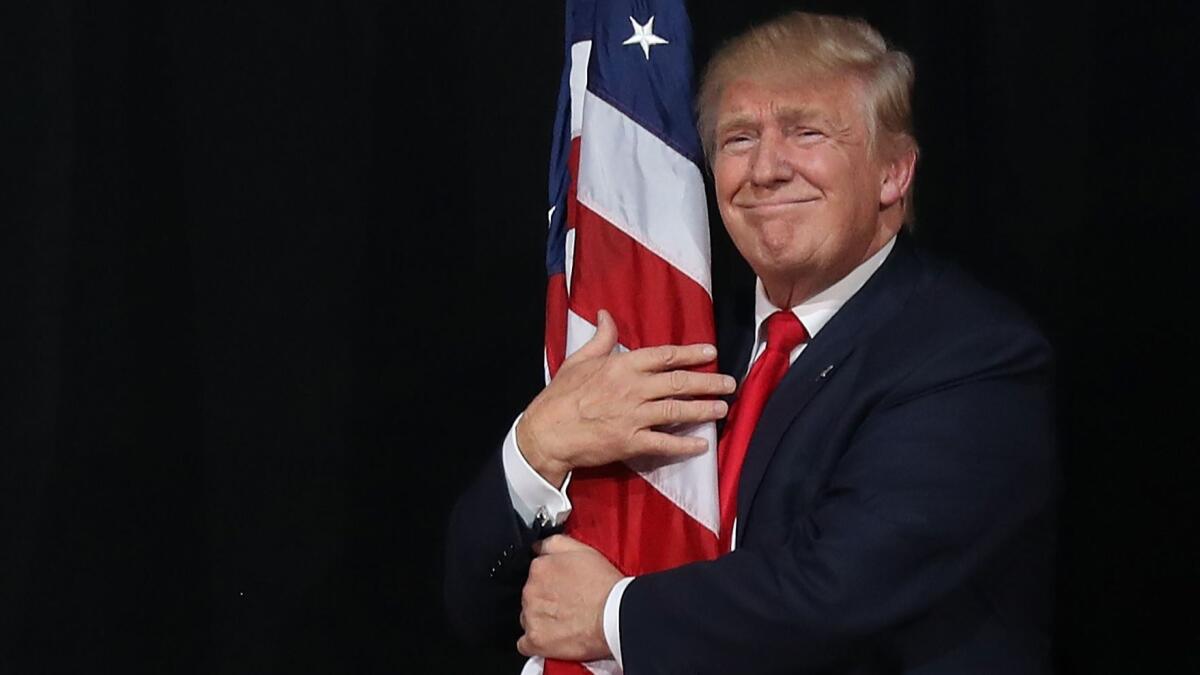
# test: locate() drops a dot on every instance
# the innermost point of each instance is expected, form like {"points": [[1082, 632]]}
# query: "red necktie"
{"points": [[784, 333]]}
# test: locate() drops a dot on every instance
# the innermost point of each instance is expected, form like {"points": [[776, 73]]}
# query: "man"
{"points": [[894, 504]]}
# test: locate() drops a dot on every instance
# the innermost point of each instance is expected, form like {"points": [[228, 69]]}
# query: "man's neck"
{"points": [[786, 293], [817, 309]]}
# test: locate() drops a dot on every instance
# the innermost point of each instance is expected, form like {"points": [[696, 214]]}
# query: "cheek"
{"points": [[727, 176], [823, 170]]}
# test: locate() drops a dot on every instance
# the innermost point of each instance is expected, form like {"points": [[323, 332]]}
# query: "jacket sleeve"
{"points": [[487, 559], [940, 474]]}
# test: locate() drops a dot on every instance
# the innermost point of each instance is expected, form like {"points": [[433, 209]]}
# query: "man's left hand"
{"points": [[562, 604]]}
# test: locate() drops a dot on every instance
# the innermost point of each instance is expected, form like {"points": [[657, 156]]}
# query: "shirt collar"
{"points": [[816, 311]]}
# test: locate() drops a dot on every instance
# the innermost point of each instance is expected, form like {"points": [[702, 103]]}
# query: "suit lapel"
{"points": [[875, 303]]}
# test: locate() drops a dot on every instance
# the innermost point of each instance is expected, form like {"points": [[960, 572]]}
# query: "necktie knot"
{"points": [[785, 332]]}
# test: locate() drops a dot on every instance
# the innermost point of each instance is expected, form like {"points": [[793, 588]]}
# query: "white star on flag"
{"points": [[644, 36]]}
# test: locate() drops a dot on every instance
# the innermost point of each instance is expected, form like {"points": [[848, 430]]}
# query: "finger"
{"points": [[662, 444], [677, 383], [561, 543], [603, 341], [677, 411], [671, 357]]}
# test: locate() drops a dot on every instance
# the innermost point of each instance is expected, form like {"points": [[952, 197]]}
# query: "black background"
{"points": [[272, 288]]}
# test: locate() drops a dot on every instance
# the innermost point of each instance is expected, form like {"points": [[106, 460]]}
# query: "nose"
{"points": [[769, 165]]}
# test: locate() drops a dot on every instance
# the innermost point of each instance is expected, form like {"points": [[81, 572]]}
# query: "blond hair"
{"points": [[803, 45]]}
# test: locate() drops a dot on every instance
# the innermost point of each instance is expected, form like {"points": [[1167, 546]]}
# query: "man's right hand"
{"points": [[603, 407]]}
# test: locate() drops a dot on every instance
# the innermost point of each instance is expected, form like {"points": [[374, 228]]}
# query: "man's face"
{"points": [[797, 186]]}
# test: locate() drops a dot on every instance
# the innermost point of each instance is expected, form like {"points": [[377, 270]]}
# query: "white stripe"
{"points": [[570, 257], [690, 484], [581, 52], [635, 181]]}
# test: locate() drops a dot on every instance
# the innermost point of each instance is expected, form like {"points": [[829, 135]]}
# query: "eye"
{"points": [[806, 133], [737, 141]]}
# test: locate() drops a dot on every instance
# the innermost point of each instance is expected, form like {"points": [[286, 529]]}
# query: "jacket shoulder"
{"points": [[953, 327]]}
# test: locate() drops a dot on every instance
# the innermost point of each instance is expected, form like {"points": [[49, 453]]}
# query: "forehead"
{"points": [[836, 98]]}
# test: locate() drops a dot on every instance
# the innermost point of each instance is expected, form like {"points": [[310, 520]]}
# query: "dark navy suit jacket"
{"points": [[895, 508]]}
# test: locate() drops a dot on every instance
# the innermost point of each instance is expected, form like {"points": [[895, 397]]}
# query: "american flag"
{"points": [[629, 233]]}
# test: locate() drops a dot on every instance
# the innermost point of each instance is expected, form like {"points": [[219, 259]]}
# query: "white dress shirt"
{"points": [[532, 495]]}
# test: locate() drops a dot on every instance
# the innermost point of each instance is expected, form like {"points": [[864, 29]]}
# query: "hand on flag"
{"points": [[562, 604], [603, 407]]}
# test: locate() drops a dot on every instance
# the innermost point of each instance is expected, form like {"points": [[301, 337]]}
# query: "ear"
{"points": [[896, 173]]}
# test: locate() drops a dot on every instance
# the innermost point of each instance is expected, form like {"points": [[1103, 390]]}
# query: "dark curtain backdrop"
{"points": [[271, 283]]}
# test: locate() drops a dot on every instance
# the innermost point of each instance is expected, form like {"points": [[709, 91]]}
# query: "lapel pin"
{"points": [[825, 372]]}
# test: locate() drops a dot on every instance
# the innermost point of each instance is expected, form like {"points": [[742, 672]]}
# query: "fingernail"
{"points": [[720, 408], [709, 351]]}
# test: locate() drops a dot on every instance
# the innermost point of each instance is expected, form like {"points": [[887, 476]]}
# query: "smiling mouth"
{"points": [[769, 205]]}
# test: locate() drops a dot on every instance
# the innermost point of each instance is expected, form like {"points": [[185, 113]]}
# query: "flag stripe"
{"points": [[648, 190], [580, 54], [612, 271], [597, 494], [556, 323]]}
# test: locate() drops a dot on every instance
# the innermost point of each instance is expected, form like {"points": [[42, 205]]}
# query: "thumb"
{"points": [[603, 341], [559, 543]]}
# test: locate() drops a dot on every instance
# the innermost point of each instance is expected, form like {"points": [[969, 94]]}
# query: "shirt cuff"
{"points": [[532, 495], [612, 619]]}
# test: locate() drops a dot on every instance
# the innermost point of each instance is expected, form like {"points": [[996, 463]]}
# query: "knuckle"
{"points": [[661, 443], [679, 380], [671, 409], [684, 411], [647, 442], [668, 354]]}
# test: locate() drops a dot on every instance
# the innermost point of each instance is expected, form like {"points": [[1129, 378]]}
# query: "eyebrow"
{"points": [[803, 115], [736, 121], [786, 115]]}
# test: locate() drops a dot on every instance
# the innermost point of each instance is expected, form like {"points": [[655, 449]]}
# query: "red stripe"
{"points": [[573, 168], [556, 321], [556, 287], [652, 302], [628, 520]]}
